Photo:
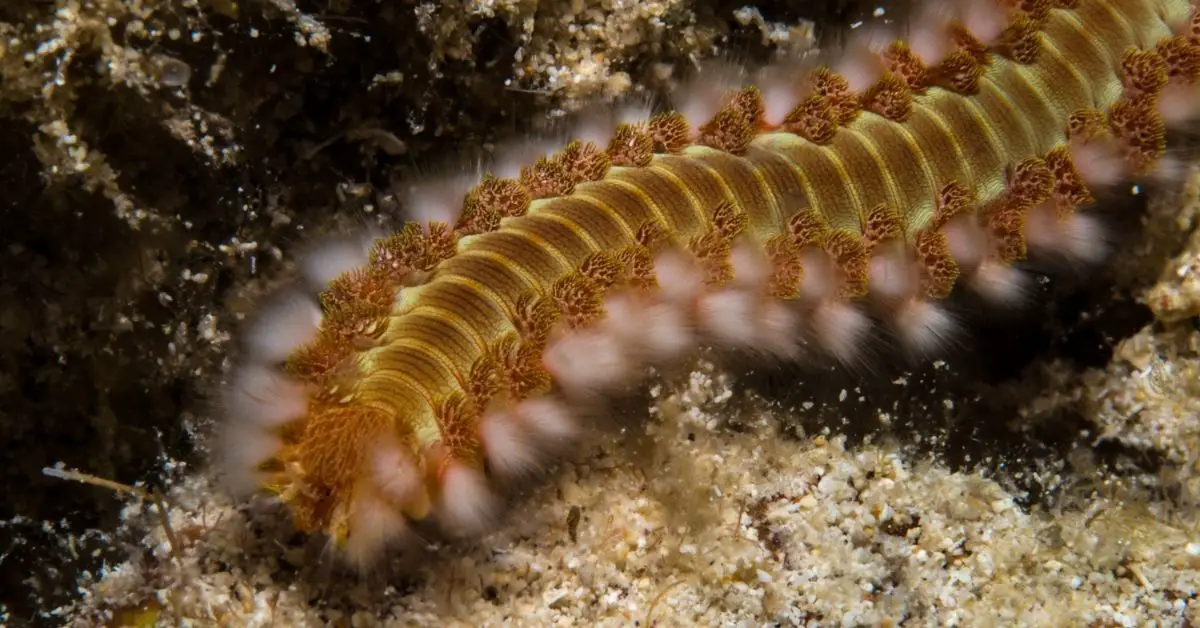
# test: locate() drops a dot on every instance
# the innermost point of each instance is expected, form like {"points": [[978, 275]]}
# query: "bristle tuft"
{"points": [[329, 260], [840, 328], [264, 396], [550, 423], [729, 316], [511, 451], [924, 327], [439, 199], [1000, 284], [374, 526], [587, 361], [394, 474], [466, 505], [288, 323], [243, 448], [1069, 235]]}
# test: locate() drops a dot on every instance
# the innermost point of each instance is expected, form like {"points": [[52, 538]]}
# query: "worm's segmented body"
{"points": [[771, 217]]}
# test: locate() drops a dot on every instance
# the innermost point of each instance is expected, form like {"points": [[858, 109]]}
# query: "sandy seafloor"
{"points": [[1059, 488]]}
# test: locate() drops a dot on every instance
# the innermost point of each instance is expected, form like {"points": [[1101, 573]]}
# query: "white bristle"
{"points": [[329, 260], [862, 65], [1168, 170], [985, 19], [393, 473], [925, 328], [666, 334], [704, 95], [596, 125], [512, 157], [653, 331], [623, 313], [678, 277], [439, 199], [243, 448], [999, 284], [929, 36], [1077, 238], [840, 329], [510, 450], [634, 113], [549, 421], [374, 526], [586, 361], [820, 281], [966, 240], [782, 90], [264, 396], [750, 267], [467, 506], [1100, 162], [729, 317], [1178, 104], [284, 325], [892, 275], [778, 331]]}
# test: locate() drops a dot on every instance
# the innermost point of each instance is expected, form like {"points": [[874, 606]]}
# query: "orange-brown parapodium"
{"points": [[455, 355]]}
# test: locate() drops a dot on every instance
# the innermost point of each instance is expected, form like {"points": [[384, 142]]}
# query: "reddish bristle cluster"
{"points": [[781, 219]]}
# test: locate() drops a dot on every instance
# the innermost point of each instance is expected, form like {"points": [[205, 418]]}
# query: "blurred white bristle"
{"points": [[861, 64], [892, 276], [782, 90], [264, 396], [840, 329], [439, 199], [750, 268], [586, 361], [549, 421], [666, 333], [678, 277], [596, 126], [999, 284], [966, 240], [289, 322], [1078, 237], [729, 316], [928, 35], [779, 331], [704, 95], [330, 259], [1179, 104], [512, 157], [1100, 162], [510, 450], [467, 505], [985, 19], [820, 280], [924, 327], [652, 330], [393, 472], [243, 448], [634, 113], [374, 526]]}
